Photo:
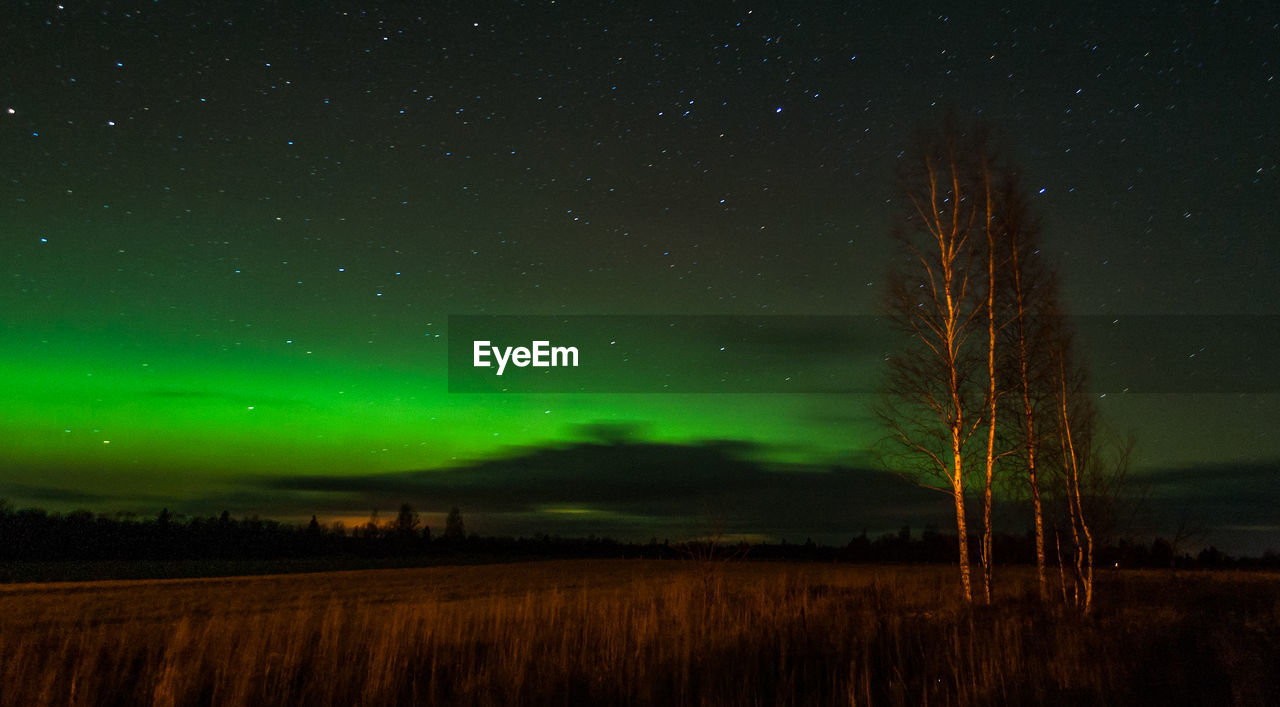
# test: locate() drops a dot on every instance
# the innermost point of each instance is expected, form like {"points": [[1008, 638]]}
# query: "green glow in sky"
{"points": [[155, 414]]}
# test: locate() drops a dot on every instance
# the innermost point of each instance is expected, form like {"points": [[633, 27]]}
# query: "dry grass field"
{"points": [[636, 632]]}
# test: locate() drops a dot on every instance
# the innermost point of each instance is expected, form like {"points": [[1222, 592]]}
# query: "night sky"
{"points": [[230, 245]]}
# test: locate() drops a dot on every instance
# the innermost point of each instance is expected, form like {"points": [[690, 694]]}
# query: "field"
{"points": [[637, 632]]}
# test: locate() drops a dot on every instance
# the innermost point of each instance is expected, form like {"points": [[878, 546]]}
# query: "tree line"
{"points": [[33, 534]]}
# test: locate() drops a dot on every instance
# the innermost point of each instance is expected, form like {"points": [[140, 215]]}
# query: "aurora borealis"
{"points": [[231, 242]]}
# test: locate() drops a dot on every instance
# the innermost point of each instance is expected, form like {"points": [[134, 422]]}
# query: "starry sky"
{"points": [[231, 243]]}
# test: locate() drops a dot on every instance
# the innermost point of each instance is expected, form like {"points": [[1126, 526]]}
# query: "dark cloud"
{"points": [[1216, 496], [1206, 478], [680, 486]]}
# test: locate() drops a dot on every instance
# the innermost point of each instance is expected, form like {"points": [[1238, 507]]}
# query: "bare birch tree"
{"points": [[991, 225], [1075, 418], [934, 401], [1031, 295]]}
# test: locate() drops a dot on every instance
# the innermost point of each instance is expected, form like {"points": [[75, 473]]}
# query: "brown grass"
{"points": [[634, 632]]}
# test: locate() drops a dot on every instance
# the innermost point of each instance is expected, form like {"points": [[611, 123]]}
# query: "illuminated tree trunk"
{"points": [[952, 240], [1037, 506], [957, 493], [988, 558], [1020, 235], [931, 398], [1081, 537]]}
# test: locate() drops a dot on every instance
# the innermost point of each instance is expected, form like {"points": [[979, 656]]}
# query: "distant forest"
{"points": [[35, 535]]}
